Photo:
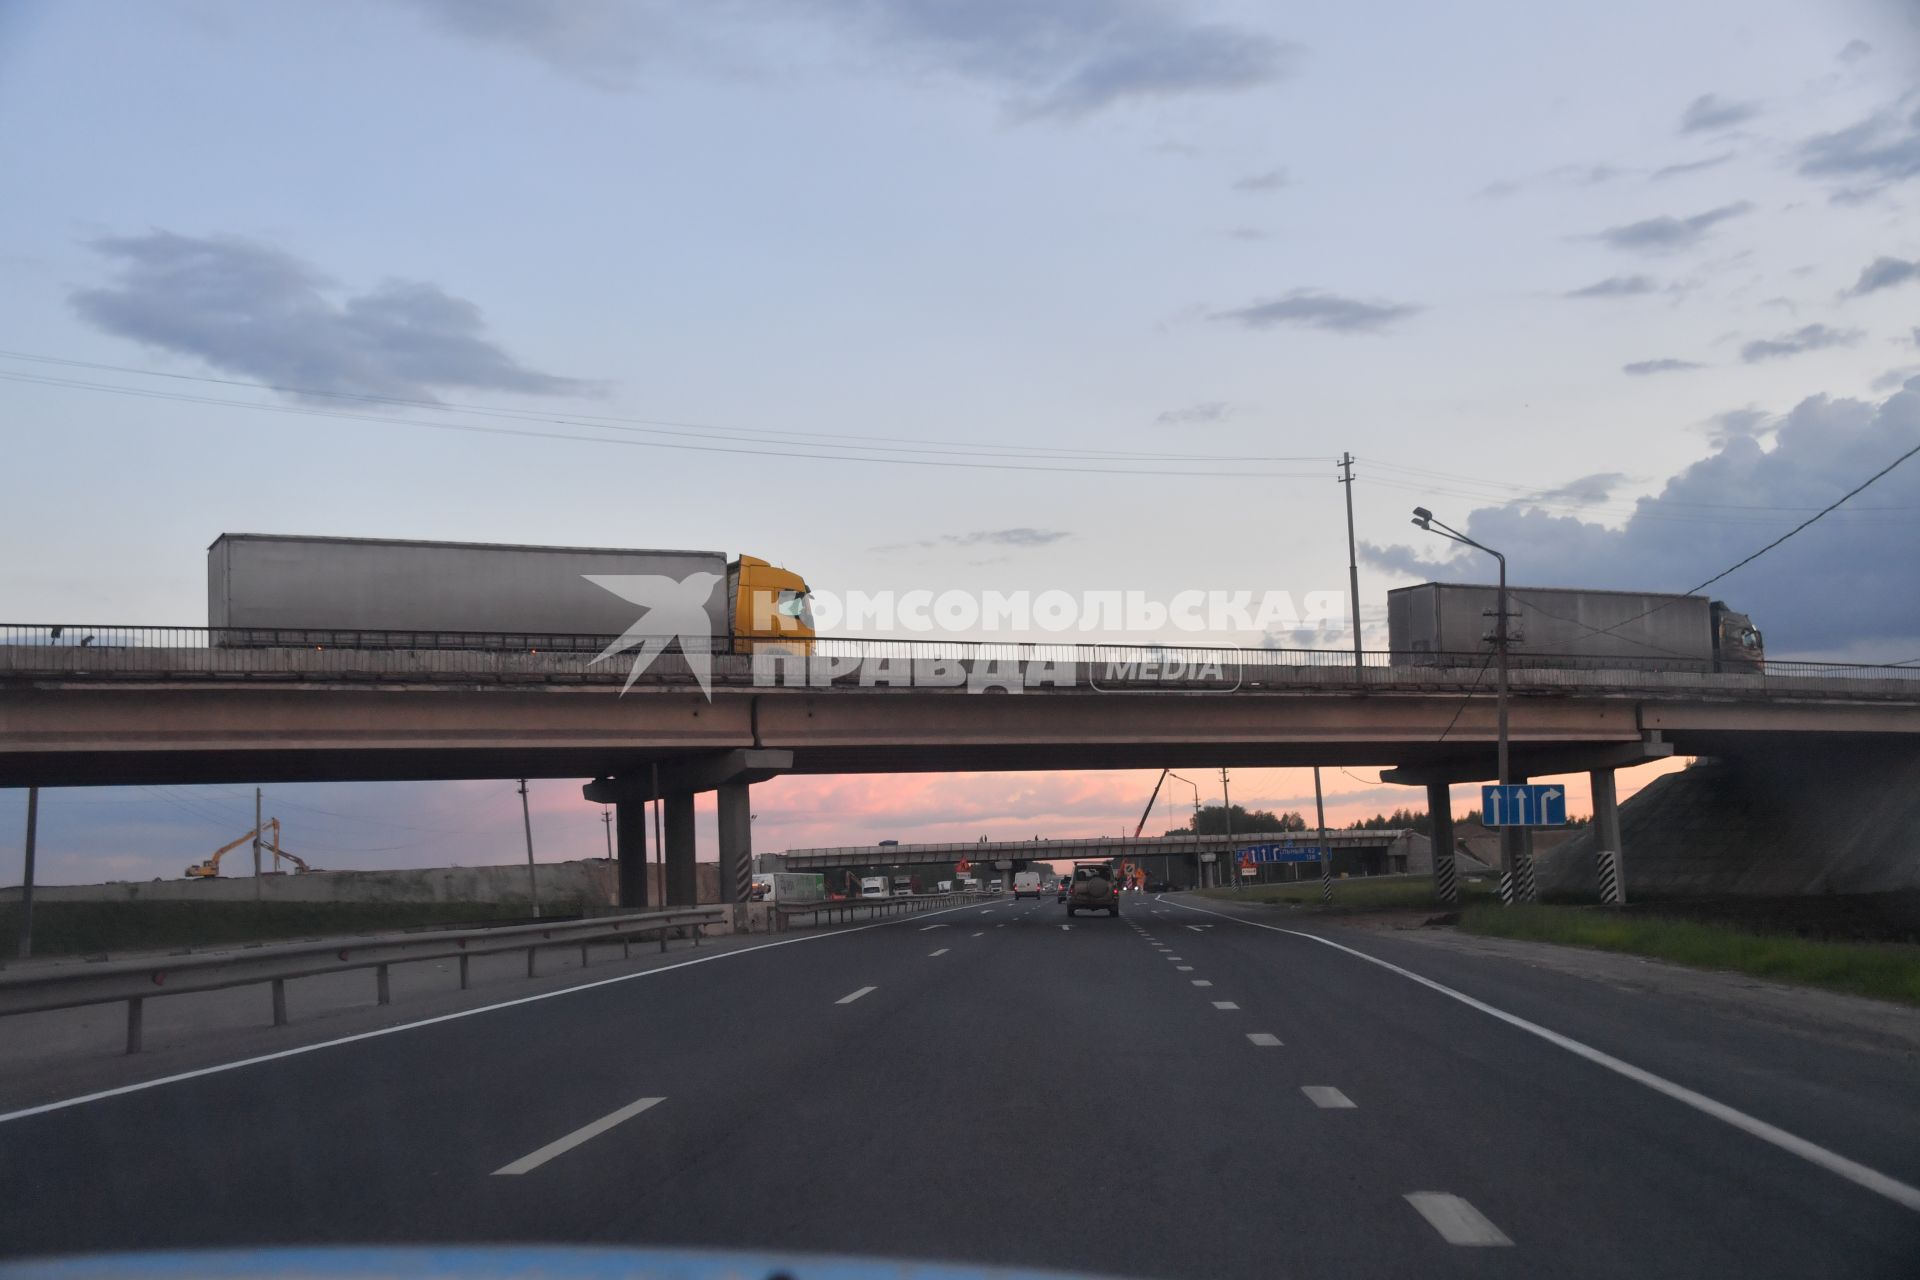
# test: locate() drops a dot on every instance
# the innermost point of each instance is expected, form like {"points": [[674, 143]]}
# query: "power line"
{"points": [[1478, 676], [478, 429], [653, 426]]}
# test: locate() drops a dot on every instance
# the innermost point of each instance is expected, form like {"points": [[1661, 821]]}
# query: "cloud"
{"points": [[1666, 232], [251, 309], [1881, 149], [1271, 180], [1813, 337], [1690, 166], [1854, 51], [1884, 273], [1843, 585], [1586, 490], [1641, 368], [1197, 415], [1711, 112], [1020, 538], [1615, 287], [1315, 309], [1051, 58], [1740, 424], [1247, 233]]}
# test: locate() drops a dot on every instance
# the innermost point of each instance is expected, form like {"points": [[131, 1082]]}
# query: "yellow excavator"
{"points": [[211, 867]]}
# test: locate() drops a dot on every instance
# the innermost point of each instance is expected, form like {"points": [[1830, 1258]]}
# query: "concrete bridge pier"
{"points": [[630, 849], [1609, 859], [736, 841], [1446, 886], [680, 882]]}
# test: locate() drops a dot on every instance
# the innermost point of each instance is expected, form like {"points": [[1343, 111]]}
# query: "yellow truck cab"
{"points": [[768, 608]]}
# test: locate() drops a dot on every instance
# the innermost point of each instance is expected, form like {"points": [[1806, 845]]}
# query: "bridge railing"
{"points": [[66, 650], [70, 986], [851, 910]]}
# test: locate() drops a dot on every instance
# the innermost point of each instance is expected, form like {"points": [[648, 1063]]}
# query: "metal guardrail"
{"points": [[70, 651], [848, 910], [136, 981]]}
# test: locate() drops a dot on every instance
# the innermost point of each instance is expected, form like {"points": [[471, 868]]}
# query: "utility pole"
{"points": [[1326, 854], [256, 843], [526, 820], [660, 838], [1226, 813], [606, 820], [1353, 563], [26, 876]]}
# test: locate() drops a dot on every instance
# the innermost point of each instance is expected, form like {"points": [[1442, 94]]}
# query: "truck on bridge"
{"points": [[336, 591], [1553, 626]]}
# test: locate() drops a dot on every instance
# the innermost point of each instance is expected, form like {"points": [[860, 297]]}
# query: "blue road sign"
{"points": [[1524, 804], [1261, 854]]}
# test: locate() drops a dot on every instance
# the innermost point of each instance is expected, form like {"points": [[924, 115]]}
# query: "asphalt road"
{"points": [[1175, 1093]]}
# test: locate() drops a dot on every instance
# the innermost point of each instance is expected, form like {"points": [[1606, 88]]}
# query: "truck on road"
{"points": [[1439, 622], [361, 591], [1026, 884]]}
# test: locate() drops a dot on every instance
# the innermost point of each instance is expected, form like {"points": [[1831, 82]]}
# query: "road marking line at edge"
{"points": [[1326, 1097], [1457, 1221], [560, 1146], [217, 1068], [851, 996], [1832, 1161]]}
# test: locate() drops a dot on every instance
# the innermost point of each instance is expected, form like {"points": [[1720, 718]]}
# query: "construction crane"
{"points": [[211, 867]]}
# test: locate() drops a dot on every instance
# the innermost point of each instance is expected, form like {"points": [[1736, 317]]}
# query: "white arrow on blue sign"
{"points": [[1524, 804]]}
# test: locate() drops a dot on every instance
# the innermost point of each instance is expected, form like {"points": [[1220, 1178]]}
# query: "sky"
{"points": [[1014, 294]]}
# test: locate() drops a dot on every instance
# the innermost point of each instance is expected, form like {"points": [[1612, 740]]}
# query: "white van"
{"points": [[1026, 884]]}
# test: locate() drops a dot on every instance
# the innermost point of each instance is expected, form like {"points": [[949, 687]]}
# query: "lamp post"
{"points": [[1509, 836], [1196, 821]]}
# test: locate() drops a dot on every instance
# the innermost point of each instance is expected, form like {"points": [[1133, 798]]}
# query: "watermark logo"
{"points": [[676, 613]]}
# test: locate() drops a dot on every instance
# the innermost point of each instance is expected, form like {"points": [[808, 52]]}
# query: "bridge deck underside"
{"points": [[100, 734]]}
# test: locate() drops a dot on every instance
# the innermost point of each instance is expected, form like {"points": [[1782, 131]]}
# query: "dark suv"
{"points": [[1093, 890]]}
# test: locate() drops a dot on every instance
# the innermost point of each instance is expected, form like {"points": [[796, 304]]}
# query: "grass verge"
{"points": [[1366, 893], [93, 928], [1884, 971]]}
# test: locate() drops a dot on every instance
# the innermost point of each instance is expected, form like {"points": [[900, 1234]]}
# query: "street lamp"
{"points": [[1432, 524], [1196, 822]]}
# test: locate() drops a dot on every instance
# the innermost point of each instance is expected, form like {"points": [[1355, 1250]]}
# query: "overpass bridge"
{"points": [[1177, 857], [83, 706]]}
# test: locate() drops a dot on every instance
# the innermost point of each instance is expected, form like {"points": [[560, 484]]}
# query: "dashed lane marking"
{"points": [[1225, 1004], [942, 951], [1201, 982], [1457, 1221], [850, 997], [1326, 1097], [560, 1146], [1265, 1039], [1901, 1193]]}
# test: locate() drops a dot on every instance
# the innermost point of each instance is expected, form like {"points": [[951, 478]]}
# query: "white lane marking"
{"points": [[1265, 1039], [1225, 1004], [850, 997], [296, 1051], [942, 951], [1175, 959], [1832, 1161], [560, 1146], [1326, 1097], [1068, 926], [1201, 982], [932, 926], [981, 934], [1184, 968], [1457, 1221]]}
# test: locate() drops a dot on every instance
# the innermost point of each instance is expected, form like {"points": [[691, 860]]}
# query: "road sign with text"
{"points": [[1260, 854], [1524, 804]]}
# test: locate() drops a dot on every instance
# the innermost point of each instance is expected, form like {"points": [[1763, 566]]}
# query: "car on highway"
{"points": [[1066, 883], [1093, 889], [1026, 884]]}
